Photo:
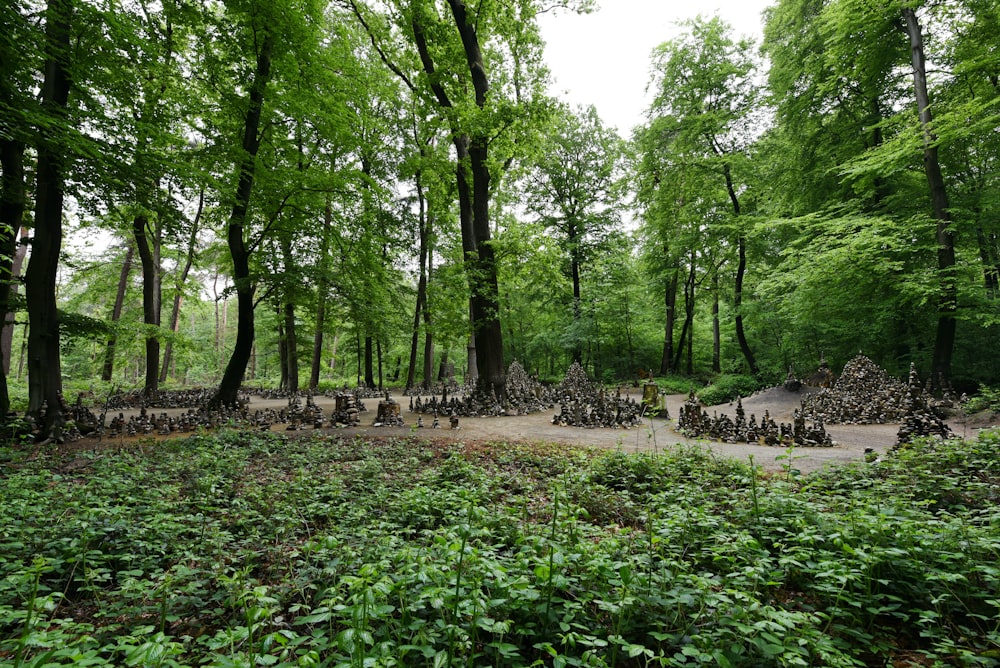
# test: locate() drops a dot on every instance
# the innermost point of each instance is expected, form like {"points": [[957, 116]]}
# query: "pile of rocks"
{"points": [[920, 419], [583, 403], [694, 422], [864, 394]]}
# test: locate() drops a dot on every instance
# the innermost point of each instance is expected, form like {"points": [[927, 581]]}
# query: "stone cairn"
{"points": [[583, 403], [864, 394], [694, 422], [920, 419]]}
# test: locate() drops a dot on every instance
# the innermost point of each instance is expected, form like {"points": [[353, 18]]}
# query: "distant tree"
{"points": [[577, 191]]}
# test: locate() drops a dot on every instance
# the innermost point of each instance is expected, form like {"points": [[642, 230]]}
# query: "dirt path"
{"points": [[655, 435]]}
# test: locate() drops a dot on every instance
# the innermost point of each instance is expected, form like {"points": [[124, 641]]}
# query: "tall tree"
{"points": [[45, 402], [706, 96], [577, 190]]}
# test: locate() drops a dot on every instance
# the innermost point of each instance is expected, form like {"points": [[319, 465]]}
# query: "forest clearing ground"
{"points": [[654, 435]]}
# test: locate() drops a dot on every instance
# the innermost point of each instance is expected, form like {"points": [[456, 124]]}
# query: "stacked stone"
{"points": [[864, 394], [583, 403], [525, 395], [694, 422], [920, 419]]}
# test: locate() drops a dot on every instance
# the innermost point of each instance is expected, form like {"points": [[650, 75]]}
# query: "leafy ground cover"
{"points": [[243, 549]]}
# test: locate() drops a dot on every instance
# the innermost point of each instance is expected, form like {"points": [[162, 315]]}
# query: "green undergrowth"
{"points": [[247, 549]]}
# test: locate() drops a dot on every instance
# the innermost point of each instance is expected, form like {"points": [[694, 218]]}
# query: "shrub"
{"points": [[729, 387]]}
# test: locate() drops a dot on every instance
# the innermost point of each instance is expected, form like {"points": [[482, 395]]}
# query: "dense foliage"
{"points": [[257, 549]]}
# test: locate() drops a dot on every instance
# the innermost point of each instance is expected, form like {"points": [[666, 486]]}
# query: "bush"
{"points": [[729, 387]]}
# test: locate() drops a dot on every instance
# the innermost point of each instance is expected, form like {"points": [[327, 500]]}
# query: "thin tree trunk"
{"points": [[369, 362], [291, 347], [687, 329], [282, 354], [116, 313], [428, 333], [232, 378], [149, 256], [419, 309], [175, 311], [741, 269], [321, 296], [12, 204], [716, 334], [944, 342], [44, 368], [670, 304]]}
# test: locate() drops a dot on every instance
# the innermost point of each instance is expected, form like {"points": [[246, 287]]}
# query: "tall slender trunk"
{"points": [[116, 313], [944, 341], [687, 331], [574, 266], [232, 378], [291, 347], [369, 362], [149, 255], [44, 367], [282, 353], [12, 204], [428, 331], [175, 311], [322, 287], [670, 305], [420, 308], [741, 269], [716, 333]]}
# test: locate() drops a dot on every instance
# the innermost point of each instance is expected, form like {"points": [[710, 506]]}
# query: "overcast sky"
{"points": [[603, 58]]}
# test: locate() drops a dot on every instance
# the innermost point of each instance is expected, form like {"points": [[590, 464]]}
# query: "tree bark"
{"points": [[44, 367], [716, 334], [670, 304], [321, 296], [175, 311], [232, 378], [149, 256], [741, 269], [291, 347], [944, 341], [116, 313], [12, 203], [420, 308], [472, 158]]}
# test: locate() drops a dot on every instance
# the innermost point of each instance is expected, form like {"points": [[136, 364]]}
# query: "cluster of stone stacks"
{"points": [[864, 394], [583, 403], [920, 419], [695, 422], [524, 394]]}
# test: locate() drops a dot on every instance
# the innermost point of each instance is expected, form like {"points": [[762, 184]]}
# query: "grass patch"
{"points": [[244, 549]]}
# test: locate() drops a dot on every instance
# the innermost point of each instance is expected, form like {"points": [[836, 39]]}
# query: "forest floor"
{"points": [[654, 435]]}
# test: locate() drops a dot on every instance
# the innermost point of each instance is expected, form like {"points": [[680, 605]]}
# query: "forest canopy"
{"points": [[307, 194]]}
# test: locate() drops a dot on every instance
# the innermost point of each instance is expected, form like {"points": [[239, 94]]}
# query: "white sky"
{"points": [[603, 58]]}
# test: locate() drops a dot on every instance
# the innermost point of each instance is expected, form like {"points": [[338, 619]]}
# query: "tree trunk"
{"points": [[472, 157], [944, 342], [716, 334], [229, 387], [12, 205], [44, 370], [282, 354], [688, 328], [369, 362], [574, 267], [420, 309], [321, 296], [741, 269], [291, 347], [116, 313], [149, 256], [175, 311], [7, 335], [670, 303]]}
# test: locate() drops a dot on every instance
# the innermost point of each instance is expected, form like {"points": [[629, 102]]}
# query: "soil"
{"points": [[655, 435]]}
